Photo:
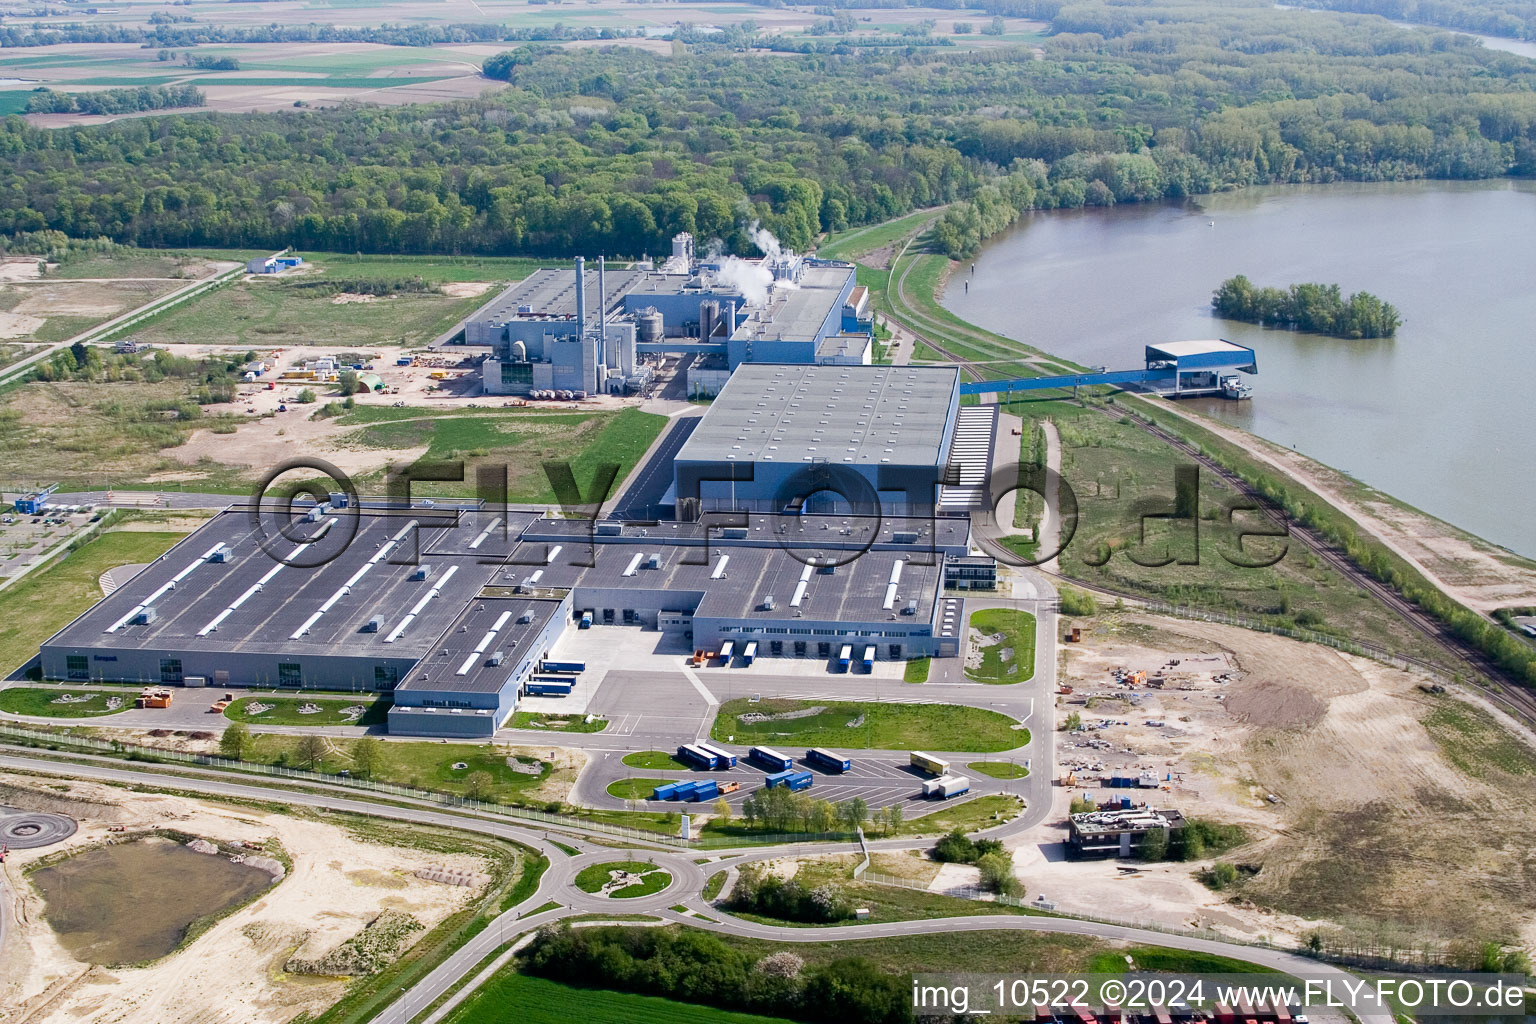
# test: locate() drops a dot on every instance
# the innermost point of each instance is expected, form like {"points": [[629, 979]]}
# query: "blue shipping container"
{"points": [[666, 792], [706, 790], [799, 780], [682, 791]]}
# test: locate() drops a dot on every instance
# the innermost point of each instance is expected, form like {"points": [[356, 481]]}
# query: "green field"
{"points": [[967, 816], [44, 702], [1019, 630], [285, 711], [522, 442], [48, 599], [270, 312], [428, 766], [850, 244], [916, 670], [593, 877], [634, 789], [654, 759], [999, 769], [537, 1001], [872, 726]]}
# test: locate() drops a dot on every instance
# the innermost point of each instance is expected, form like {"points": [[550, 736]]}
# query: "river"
{"points": [[1443, 416]]}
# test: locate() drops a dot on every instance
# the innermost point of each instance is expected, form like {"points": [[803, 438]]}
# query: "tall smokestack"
{"points": [[581, 297], [602, 296]]}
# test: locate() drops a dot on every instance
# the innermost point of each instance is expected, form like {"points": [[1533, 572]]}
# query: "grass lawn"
{"points": [[594, 876], [24, 700], [916, 670], [635, 789], [48, 599], [1019, 638], [714, 885], [427, 766], [654, 759], [522, 442], [650, 884], [546, 1002], [285, 711], [999, 769], [872, 726], [857, 241], [561, 723], [982, 812]]}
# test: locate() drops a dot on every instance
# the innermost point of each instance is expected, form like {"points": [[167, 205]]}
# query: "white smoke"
{"points": [[764, 240], [752, 280]]}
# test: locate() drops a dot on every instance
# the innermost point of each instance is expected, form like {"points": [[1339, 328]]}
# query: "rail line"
{"points": [[1486, 676]]}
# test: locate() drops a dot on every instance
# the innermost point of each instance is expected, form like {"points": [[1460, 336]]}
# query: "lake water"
{"points": [[1443, 416]]}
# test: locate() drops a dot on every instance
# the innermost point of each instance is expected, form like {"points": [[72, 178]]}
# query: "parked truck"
{"points": [[845, 658], [723, 758], [827, 760], [586, 620], [573, 667], [749, 652], [771, 759], [946, 786], [697, 756]]}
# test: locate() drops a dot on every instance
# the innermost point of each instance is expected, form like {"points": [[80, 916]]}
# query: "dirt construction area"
{"points": [[1374, 808], [235, 971]]}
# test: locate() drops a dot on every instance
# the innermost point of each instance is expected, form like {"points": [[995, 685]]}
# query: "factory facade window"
{"points": [[170, 670], [77, 666], [385, 677], [289, 674]]}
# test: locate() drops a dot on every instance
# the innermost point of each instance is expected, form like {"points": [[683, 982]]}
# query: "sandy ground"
{"points": [[20, 268], [233, 973], [1481, 575], [271, 436], [19, 325], [1354, 812]]}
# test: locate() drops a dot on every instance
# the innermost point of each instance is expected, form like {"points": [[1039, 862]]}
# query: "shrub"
{"points": [[1077, 602]]}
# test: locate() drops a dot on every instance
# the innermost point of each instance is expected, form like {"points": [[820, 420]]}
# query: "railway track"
{"points": [[1482, 673]]}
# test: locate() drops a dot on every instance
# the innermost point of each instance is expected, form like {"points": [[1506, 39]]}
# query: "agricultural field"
{"points": [[869, 726]]}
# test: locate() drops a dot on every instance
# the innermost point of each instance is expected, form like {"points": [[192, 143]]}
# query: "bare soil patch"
{"points": [[19, 325], [1367, 799], [235, 970]]}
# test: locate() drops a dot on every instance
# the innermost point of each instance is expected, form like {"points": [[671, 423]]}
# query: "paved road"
{"points": [[652, 475], [685, 889]]}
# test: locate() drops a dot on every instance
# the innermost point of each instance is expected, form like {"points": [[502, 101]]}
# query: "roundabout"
{"points": [[631, 880], [32, 831]]}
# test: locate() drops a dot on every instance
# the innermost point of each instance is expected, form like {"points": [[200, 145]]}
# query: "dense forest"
{"points": [[613, 150], [1319, 308]]}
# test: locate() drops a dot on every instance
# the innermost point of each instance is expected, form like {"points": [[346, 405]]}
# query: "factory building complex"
{"points": [[601, 331], [847, 554]]}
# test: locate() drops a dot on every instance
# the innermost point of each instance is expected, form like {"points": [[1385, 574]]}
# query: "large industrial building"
{"points": [[795, 438], [453, 610], [604, 331]]}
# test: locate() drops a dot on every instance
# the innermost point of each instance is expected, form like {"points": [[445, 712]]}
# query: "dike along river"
{"points": [[1443, 416]]}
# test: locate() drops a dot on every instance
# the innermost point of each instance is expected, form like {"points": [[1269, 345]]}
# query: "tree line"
{"points": [[1318, 308], [114, 101], [166, 34], [696, 967], [611, 150]]}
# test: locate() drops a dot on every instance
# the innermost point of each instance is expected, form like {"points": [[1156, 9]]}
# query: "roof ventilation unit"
{"points": [[221, 554], [768, 603], [495, 658], [146, 616], [373, 624], [422, 572], [655, 561]]}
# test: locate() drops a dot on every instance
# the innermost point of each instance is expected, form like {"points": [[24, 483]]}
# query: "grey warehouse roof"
{"points": [[461, 660], [252, 602], [839, 414], [552, 293], [797, 314]]}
